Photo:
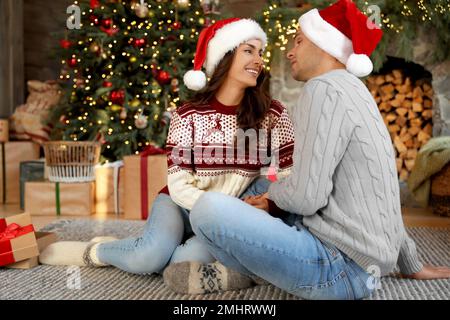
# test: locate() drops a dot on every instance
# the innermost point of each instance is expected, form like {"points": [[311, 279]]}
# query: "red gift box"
{"points": [[17, 239]]}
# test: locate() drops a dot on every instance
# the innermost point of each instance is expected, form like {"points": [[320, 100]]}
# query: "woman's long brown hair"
{"points": [[256, 101]]}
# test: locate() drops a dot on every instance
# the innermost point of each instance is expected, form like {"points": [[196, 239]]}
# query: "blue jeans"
{"points": [[252, 242], [163, 240]]}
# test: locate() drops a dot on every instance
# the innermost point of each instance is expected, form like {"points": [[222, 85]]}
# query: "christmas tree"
{"points": [[122, 70]]}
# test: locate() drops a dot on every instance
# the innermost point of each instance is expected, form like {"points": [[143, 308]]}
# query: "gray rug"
{"points": [[49, 282]]}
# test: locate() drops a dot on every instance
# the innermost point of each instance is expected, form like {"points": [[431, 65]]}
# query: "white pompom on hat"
{"points": [[344, 32], [215, 41]]}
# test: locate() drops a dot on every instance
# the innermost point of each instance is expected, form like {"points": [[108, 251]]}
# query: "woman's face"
{"points": [[247, 63]]}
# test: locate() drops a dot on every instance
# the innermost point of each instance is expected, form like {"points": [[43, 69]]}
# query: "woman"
{"points": [[202, 153]]}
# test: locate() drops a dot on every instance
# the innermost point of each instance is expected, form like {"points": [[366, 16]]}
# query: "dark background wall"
{"points": [[41, 18], [11, 56]]}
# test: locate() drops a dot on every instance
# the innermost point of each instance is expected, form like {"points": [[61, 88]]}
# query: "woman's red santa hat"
{"points": [[215, 41], [345, 33]]}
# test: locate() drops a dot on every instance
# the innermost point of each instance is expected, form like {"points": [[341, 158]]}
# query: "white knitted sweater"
{"points": [[344, 178]]}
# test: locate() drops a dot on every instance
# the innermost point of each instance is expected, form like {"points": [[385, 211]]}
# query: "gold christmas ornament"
{"points": [[183, 3], [115, 107], [133, 59], [174, 82], [135, 103], [141, 10], [94, 47]]}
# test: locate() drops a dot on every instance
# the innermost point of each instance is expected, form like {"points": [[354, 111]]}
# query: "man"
{"points": [[345, 226]]}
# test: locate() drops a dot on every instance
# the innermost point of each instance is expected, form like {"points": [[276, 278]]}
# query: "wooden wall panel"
{"points": [[42, 18], [11, 56]]}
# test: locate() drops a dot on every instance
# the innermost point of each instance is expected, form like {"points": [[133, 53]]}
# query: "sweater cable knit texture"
{"points": [[344, 183]]}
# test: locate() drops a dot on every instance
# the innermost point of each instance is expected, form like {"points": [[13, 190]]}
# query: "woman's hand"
{"points": [[429, 272], [260, 201]]}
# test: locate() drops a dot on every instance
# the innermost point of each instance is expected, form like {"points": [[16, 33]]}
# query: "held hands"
{"points": [[260, 201]]}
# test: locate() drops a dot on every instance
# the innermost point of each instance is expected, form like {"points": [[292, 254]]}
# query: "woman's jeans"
{"points": [[283, 252], [167, 227]]}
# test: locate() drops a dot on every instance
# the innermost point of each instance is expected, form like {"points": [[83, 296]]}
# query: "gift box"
{"points": [[12, 154], [44, 239], [17, 239], [4, 130], [30, 171], [57, 198], [109, 188], [145, 176]]}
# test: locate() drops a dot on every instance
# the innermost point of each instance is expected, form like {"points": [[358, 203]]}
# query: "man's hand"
{"points": [[429, 272], [260, 201]]}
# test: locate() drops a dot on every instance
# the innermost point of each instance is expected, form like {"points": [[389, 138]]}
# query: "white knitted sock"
{"points": [[103, 239], [73, 253], [64, 253]]}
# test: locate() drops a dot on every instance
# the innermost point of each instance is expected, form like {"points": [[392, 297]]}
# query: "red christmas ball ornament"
{"points": [[94, 4], [107, 84], [65, 44], [163, 77], [117, 96], [107, 23], [72, 62], [94, 19], [109, 31], [138, 43], [176, 25], [154, 70], [171, 38], [80, 82]]}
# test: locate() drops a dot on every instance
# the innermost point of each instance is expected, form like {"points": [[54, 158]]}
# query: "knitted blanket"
{"points": [[430, 160]]}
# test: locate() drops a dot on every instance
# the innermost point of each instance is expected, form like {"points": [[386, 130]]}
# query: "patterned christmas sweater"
{"points": [[204, 153]]}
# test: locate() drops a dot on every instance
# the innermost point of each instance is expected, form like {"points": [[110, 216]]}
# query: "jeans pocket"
{"points": [[337, 288], [359, 279]]}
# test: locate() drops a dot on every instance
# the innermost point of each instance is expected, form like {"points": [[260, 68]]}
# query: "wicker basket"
{"points": [[440, 192], [71, 161]]}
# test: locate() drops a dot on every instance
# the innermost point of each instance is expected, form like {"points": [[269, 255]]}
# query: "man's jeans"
{"points": [[287, 255]]}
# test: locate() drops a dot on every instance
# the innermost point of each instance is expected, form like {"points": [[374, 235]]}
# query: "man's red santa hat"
{"points": [[215, 41], [345, 33]]}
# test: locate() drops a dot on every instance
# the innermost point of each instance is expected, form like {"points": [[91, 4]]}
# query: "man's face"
{"points": [[304, 57]]}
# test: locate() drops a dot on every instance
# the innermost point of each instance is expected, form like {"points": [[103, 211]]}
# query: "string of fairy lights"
{"points": [[280, 23], [279, 30]]}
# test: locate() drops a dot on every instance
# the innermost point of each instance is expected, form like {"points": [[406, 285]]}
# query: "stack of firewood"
{"points": [[407, 111]]}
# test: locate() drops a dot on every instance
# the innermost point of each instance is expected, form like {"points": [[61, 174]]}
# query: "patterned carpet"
{"points": [[48, 282]]}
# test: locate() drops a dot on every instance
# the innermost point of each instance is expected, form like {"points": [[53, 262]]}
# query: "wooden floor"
{"points": [[413, 217]]}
